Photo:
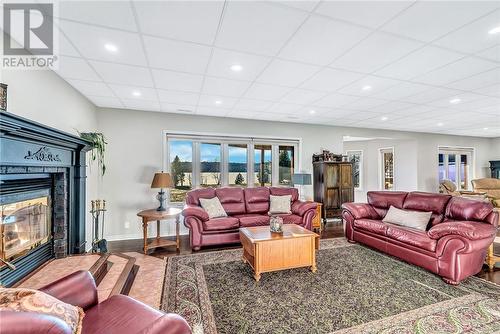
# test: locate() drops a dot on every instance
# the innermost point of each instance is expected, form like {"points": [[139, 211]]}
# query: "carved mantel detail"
{"points": [[43, 154]]}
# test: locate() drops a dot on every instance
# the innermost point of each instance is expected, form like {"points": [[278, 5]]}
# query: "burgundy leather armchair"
{"points": [[454, 244], [117, 314], [245, 207]]}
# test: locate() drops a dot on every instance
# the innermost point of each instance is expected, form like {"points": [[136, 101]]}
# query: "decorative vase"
{"points": [[276, 224]]}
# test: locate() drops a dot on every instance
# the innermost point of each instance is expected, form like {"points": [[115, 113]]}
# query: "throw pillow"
{"points": [[413, 219], [213, 207], [29, 300], [280, 204]]}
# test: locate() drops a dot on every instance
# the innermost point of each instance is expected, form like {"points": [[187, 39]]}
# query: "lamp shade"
{"points": [[162, 180], [302, 179]]}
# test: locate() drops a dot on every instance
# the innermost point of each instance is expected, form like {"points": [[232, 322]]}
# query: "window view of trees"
{"points": [[356, 158], [181, 169], [263, 165], [286, 164], [237, 164], [210, 158]]}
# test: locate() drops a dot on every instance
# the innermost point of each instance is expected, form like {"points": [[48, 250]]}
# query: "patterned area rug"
{"points": [[356, 290]]}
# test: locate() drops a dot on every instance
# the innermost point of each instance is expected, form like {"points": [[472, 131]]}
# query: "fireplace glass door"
{"points": [[25, 225]]}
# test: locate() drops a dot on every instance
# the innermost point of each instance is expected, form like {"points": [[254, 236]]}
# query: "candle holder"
{"points": [[98, 208]]}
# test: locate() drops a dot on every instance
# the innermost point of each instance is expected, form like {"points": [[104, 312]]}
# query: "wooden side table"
{"points": [[317, 222], [153, 214]]}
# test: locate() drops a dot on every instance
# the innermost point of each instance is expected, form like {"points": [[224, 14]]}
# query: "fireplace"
{"points": [[42, 196]]}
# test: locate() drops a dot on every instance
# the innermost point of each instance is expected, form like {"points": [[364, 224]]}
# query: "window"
{"points": [[286, 166], [454, 165], [181, 168], [387, 168], [198, 161], [263, 165], [238, 160], [356, 157]]}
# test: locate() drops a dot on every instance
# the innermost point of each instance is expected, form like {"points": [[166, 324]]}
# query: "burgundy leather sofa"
{"points": [[454, 245], [117, 314], [245, 207]]}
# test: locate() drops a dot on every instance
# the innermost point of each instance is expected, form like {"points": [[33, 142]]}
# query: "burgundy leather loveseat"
{"points": [[454, 245], [245, 207], [116, 315]]}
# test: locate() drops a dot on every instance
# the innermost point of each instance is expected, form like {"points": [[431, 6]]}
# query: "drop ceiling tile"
{"points": [[493, 90], [266, 92], [286, 73], [430, 95], [194, 21], [222, 60], [320, 40], [212, 111], [177, 56], [365, 103], [491, 110], [368, 86], [302, 96], [491, 53], [253, 105], [478, 81], [414, 111], [113, 14], [464, 97], [428, 20], [460, 69], [402, 90], [476, 34], [105, 102], [224, 87], [304, 5], [65, 47], [90, 42], [123, 74], [391, 107], [180, 98], [335, 100], [177, 108], [219, 102], [479, 104], [91, 88], [76, 68], [258, 27], [419, 63], [330, 79], [367, 13], [141, 104], [375, 52], [127, 92], [284, 108], [362, 115], [177, 81]]}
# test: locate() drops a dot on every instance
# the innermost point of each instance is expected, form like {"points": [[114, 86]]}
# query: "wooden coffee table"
{"points": [[265, 251]]}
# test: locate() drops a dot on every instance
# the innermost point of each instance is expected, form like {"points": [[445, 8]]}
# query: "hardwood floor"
{"points": [[331, 230]]}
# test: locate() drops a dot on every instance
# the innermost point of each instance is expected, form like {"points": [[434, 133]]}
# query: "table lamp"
{"points": [[161, 180], [301, 179]]}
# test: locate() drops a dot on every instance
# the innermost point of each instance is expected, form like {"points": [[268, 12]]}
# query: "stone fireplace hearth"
{"points": [[42, 196]]}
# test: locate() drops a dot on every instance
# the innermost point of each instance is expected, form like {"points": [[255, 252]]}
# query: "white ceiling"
{"points": [[297, 56]]}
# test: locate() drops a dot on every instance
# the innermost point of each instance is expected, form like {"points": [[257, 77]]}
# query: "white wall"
{"points": [[495, 148], [44, 97]]}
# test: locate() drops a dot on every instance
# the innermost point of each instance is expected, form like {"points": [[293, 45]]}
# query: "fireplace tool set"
{"points": [[98, 208]]}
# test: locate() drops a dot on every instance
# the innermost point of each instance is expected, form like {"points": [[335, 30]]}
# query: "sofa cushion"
{"points": [[382, 200], [213, 207], [411, 236], [466, 209], [253, 219], [290, 219], [371, 225], [468, 229], [232, 199], [221, 224], [281, 191], [420, 201], [256, 200], [413, 219], [280, 204], [193, 196]]}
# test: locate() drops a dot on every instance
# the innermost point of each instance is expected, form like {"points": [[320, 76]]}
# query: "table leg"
{"points": [[145, 234], [177, 222], [157, 230]]}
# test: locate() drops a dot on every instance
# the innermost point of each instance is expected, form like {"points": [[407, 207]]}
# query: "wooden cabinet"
{"points": [[333, 186]]}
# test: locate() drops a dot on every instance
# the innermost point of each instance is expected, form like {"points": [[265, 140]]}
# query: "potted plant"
{"points": [[98, 148]]}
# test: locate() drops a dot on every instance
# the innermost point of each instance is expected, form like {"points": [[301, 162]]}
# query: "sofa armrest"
{"points": [[300, 207], [77, 289], [168, 324], [360, 210], [196, 211], [470, 230], [12, 322]]}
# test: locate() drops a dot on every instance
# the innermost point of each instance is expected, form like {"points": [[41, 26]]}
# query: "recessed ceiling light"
{"points": [[485, 129], [312, 112], [111, 47], [440, 124], [218, 102], [136, 93], [366, 88], [455, 101], [494, 31], [385, 118], [236, 68]]}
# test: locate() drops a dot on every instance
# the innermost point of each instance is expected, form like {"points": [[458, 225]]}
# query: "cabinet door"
{"points": [[346, 176], [331, 175]]}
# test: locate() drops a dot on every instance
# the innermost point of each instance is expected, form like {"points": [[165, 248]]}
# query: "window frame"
{"points": [[457, 151], [381, 170], [225, 140], [361, 166]]}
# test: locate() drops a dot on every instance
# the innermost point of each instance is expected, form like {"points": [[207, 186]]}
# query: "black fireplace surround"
{"points": [[34, 157]]}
